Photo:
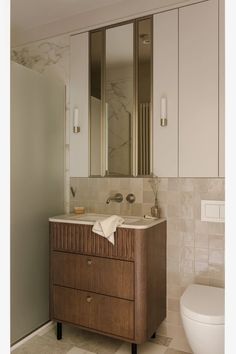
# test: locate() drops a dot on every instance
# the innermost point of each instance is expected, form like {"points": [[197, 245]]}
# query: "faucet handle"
{"points": [[130, 198]]}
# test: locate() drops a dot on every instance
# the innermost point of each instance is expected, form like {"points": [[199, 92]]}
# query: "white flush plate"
{"points": [[213, 210]]}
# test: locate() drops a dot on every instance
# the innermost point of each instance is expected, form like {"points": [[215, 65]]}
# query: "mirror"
{"points": [[120, 99]]}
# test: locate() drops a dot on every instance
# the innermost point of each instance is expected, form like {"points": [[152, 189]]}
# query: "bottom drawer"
{"points": [[100, 312]]}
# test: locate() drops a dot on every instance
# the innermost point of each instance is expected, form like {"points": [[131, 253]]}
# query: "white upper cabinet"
{"points": [[165, 90], [79, 105], [188, 98], [221, 89], [198, 90], [187, 73]]}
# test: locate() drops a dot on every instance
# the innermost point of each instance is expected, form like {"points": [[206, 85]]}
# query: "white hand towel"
{"points": [[107, 227]]}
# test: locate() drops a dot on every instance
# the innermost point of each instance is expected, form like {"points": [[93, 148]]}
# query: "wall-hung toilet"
{"points": [[202, 312]]}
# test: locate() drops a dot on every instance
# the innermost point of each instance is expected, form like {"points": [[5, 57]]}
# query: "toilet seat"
{"points": [[203, 304]]}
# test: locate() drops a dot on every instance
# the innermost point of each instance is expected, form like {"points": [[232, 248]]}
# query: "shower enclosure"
{"points": [[37, 183]]}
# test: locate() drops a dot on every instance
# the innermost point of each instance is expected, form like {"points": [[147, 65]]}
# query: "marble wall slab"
{"points": [[119, 94]]}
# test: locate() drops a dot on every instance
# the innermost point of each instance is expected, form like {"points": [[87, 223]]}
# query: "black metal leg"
{"points": [[154, 335], [59, 330], [134, 348]]}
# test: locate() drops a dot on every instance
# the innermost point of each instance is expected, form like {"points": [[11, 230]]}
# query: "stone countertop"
{"points": [[131, 222]]}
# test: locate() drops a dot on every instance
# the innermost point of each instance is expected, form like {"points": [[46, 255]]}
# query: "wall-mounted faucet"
{"points": [[118, 197]]}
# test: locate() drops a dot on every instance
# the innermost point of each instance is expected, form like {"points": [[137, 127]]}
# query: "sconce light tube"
{"points": [[163, 120], [163, 107], [76, 128]]}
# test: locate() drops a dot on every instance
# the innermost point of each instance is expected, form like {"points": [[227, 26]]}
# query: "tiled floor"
{"points": [[77, 341]]}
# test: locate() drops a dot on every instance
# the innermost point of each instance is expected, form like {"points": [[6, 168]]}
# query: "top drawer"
{"points": [[77, 238]]}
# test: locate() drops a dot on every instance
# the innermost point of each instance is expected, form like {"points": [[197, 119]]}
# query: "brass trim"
{"points": [[104, 142], [135, 102], [76, 130], [151, 102]]}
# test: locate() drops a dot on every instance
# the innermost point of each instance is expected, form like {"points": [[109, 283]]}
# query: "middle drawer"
{"points": [[100, 275]]}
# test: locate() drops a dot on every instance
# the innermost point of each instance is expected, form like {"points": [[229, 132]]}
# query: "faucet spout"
{"points": [[118, 197]]}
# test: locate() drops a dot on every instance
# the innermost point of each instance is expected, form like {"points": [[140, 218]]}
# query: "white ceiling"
{"points": [[28, 14]]}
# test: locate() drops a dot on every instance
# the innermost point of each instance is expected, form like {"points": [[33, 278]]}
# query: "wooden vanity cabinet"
{"points": [[119, 290]]}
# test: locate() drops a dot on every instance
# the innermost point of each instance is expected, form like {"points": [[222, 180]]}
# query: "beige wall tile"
{"points": [[216, 242], [146, 185], [215, 228], [163, 184], [217, 282], [201, 254], [187, 238], [173, 317], [173, 184], [187, 266], [202, 280], [201, 227], [186, 279], [173, 225], [200, 185], [173, 304], [146, 208], [163, 210], [173, 252], [186, 211], [174, 239], [201, 240], [186, 225], [186, 184], [174, 291], [148, 197], [202, 268], [216, 256], [174, 278], [216, 271], [173, 198], [172, 265], [162, 197], [187, 253], [216, 187], [173, 211]]}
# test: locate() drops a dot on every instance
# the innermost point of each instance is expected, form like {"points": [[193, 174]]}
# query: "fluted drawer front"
{"points": [[100, 312], [80, 239], [101, 275]]}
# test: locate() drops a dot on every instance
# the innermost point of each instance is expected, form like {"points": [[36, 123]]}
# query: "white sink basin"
{"points": [[99, 217], [89, 217], [134, 222]]}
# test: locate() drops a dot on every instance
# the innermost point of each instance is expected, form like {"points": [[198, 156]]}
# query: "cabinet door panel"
{"points": [[198, 90], [165, 84], [100, 275], [98, 312], [79, 99], [221, 89]]}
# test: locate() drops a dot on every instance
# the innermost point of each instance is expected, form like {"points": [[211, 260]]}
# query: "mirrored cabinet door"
{"points": [[120, 99]]}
